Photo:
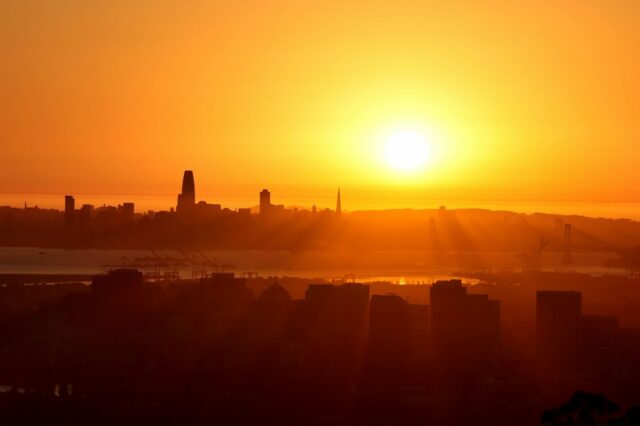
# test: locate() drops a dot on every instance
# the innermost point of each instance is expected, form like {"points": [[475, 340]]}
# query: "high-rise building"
{"points": [[465, 328], [84, 214], [558, 315], [336, 331], [342, 307], [390, 331], [224, 296], [187, 198], [448, 321], [339, 205], [265, 202], [128, 210], [398, 339], [483, 331], [599, 347], [118, 286], [69, 210], [420, 340]]}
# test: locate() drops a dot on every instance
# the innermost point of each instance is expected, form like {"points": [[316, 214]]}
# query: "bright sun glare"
{"points": [[406, 150]]}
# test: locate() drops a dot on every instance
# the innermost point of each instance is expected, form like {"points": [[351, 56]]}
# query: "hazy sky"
{"points": [[532, 101]]}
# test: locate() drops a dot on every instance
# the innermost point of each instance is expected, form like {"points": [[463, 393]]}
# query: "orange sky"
{"points": [[523, 101]]}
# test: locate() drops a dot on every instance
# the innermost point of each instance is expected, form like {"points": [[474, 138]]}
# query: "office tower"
{"points": [[343, 308], [222, 298], [128, 210], [324, 310], [390, 333], [188, 188], [324, 320], [465, 328], [118, 287], [355, 308], [122, 300], [447, 318], [339, 205], [269, 331], [84, 214], [187, 198], [627, 365], [558, 315], [69, 210], [336, 331], [116, 279], [483, 332], [265, 202], [420, 340], [599, 347]]}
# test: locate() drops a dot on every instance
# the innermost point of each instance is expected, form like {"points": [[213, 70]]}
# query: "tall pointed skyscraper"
{"points": [[187, 198], [339, 205]]}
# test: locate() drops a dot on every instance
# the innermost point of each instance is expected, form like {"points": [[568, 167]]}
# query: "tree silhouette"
{"points": [[583, 409], [630, 418]]}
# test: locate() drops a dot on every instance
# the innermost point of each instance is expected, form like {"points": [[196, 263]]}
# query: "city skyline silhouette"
{"points": [[324, 199]]}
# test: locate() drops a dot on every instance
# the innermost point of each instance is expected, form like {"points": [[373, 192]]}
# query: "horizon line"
{"points": [[452, 205]]}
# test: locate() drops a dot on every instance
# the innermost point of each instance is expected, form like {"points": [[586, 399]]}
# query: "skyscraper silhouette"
{"points": [[265, 201], [465, 328], [390, 331], [336, 331], [69, 210], [558, 316], [339, 204], [187, 198]]}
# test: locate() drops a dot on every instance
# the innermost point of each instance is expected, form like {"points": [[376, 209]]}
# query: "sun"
{"points": [[406, 151]]}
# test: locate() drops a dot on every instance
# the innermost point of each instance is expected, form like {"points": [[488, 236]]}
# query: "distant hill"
{"points": [[488, 230]]}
